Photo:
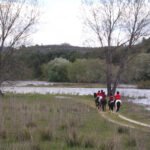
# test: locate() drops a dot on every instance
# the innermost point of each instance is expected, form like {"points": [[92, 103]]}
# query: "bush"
{"points": [[89, 142], [23, 135], [131, 142], [35, 146], [144, 84], [46, 135], [87, 70], [73, 139], [138, 69], [123, 130], [31, 125], [56, 70], [3, 134]]}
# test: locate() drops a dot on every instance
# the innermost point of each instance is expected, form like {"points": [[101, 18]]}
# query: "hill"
{"points": [[33, 58]]}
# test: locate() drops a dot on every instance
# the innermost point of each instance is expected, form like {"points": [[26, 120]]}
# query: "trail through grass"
{"points": [[45, 122]]}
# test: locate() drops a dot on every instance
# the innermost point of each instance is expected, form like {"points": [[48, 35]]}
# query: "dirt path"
{"points": [[121, 120], [114, 121], [124, 121], [134, 121]]}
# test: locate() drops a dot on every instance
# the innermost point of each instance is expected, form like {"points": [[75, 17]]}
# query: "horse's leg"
{"points": [[111, 106], [96, 102], [103, 105], [118, 106]]}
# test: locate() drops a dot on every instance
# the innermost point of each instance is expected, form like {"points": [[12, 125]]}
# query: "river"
{"points": [[140, 96]]}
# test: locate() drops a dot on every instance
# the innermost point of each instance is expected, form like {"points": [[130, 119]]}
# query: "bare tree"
{"points": [[117, 24], [17, 18]]}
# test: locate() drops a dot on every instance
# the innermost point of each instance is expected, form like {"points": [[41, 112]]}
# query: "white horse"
{"points": [[118, 103]]}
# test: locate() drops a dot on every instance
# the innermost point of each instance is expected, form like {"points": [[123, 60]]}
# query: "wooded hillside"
{"points": [[66, 63]]}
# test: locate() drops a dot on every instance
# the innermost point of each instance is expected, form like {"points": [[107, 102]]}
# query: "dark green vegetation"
{"points": [[66, 63], [43, 122]]}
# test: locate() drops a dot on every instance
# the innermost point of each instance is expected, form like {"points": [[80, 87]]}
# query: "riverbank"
{"points": [[137, 96], [61, 84]]}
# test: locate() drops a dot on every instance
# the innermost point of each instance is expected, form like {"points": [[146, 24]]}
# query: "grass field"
{"points": [[64, 122]]}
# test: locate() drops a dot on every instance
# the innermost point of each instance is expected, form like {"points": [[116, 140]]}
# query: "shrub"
{"points": [[3, 134], [69, 123], [144, 84], [89, 142], [23, 135], [131, 142], [86, 70], [35, 146], [46, 135], [109, 144], [31, 125], [123, 130], [73, 139], [56, 70]]}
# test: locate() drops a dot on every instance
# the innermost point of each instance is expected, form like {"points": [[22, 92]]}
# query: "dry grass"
{"points": [[135, 111], [43, 122]]}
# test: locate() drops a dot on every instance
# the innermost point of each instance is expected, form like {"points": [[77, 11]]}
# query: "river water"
{"points": [[140, 96]]}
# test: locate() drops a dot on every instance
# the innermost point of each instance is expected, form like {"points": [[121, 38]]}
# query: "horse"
{"points": [[95, 95], [111, 104], [103, 104], [118, 104], [97, 100]]}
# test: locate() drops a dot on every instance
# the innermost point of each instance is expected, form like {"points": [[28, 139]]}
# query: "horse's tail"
{"points": [[95, 95], [96, 101]]}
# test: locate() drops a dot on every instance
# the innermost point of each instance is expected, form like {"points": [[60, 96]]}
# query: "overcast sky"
{"points": [[60, 23]]}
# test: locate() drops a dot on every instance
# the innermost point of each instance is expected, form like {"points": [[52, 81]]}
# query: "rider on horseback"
{"points": [[111, 102], [117, 101], [103, 100]]}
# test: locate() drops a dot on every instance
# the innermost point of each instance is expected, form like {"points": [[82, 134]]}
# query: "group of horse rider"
{"points": [[114, 101]]}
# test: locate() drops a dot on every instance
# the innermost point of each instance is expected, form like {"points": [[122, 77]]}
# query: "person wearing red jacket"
{"points": [[111, 102], [118, 96], [98, 93], [98, 97], [103, 100], [117, 101]]}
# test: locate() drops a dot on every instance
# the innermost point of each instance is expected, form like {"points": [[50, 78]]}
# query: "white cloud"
{"points": [[59, 23]]}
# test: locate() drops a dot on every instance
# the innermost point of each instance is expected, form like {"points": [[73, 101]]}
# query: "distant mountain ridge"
{"points": [[59, 47]]}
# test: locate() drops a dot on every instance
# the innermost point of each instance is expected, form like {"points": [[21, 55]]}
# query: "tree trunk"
{"points": [[1, 93], [117, 79], [109, 71], [120, 71], [109, 81]]}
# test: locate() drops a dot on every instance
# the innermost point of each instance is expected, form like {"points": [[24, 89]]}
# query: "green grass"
{"points": [[136, 112], [65, 122]]}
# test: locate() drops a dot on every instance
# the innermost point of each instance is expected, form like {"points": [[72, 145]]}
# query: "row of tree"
{"points": [[94, 70], [34, 57], [58, 66]]}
